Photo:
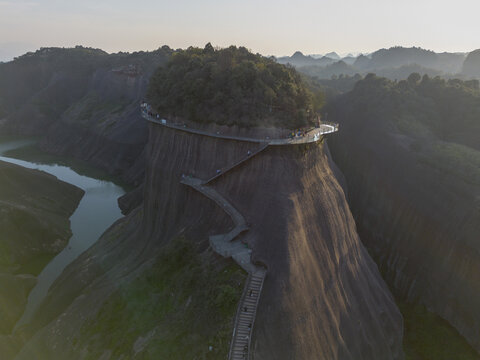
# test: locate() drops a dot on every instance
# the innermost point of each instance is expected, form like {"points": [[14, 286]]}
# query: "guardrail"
{"points": [[312, 136]]}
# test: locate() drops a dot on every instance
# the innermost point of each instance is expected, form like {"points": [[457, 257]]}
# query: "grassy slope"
{"points": [[175, 310], [35, 210], [34, 227], [429, 337]]}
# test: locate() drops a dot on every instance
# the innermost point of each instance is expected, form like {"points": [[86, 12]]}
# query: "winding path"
{"points": [[311, 136], [228, 244]]}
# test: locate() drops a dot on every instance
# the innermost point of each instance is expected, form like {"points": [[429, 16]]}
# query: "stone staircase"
{"points": [[228, 245], [247, 157], [246, 313]]}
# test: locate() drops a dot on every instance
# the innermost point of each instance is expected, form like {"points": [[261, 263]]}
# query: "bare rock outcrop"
{"points": [[323, 297]]}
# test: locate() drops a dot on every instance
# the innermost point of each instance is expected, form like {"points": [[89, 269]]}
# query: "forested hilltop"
{"points": [[447, 109], [232, 86]]}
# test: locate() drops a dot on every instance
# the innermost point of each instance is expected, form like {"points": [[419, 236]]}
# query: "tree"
{"points": [[414, 78], [232, 86]]}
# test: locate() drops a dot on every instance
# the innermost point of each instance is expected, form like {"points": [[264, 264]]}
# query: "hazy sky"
{"points": [[270, 27]]}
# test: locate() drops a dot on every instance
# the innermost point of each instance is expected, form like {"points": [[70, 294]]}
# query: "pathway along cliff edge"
{"points": [[228, 245]]}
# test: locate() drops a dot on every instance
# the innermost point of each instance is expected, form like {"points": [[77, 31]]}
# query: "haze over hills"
{"points": [[471, 66], [394, 63]]}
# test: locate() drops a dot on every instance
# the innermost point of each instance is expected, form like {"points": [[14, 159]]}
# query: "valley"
{"points": [[366, 231]]}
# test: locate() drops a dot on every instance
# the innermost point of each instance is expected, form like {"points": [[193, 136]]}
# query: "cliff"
{"points": [[82, 103], [323, 296], [471, 65], [411, 160]]}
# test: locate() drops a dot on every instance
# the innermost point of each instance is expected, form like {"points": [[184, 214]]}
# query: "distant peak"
{"points": [[333, 55], [298, 54]]}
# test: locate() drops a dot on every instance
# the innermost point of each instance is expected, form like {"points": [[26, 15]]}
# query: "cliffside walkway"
{"points": [[247, 157], [225, 244], [311, 136], [228, 244]]}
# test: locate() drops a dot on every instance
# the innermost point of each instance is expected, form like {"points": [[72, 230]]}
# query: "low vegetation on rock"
{"points": [[181, 308], [34, 227]]}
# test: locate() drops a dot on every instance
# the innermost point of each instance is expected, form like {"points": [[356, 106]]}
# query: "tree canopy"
{"points": [[232, 86], [449, 109]]}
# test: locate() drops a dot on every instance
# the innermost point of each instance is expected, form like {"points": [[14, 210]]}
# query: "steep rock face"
{"points": [[420, 221], [81, 103], [323, 297], [103, 127]]}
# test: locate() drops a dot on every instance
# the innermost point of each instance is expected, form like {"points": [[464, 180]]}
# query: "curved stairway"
{"points": [[227, 245]]}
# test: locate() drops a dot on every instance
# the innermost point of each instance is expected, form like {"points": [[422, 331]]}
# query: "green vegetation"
{"points": [[51, 80], [447, 109], [34, 227], [429, 130], [456, 159], [14, 290], [35, 208], [336, 85], [182, 305], [232, 86], [442, 116], [94, 106], [429, 337], [35, 265]]}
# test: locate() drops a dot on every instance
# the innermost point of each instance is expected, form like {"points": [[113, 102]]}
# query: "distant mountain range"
{"points": [[394, 63]]}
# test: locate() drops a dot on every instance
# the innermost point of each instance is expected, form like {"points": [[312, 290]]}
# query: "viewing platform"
{"points": [[310, 136]]}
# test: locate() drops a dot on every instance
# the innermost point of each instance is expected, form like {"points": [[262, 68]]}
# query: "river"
{"points": [[97, 210]]}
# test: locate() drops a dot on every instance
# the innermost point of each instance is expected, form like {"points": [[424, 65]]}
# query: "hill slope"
{"points": [[323, 297], [82, 102], [411, 154], [34, 227], [471, 66]]}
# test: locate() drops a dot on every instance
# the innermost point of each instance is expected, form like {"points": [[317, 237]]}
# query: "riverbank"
{"points": [[34, 227], [96, 206]]}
